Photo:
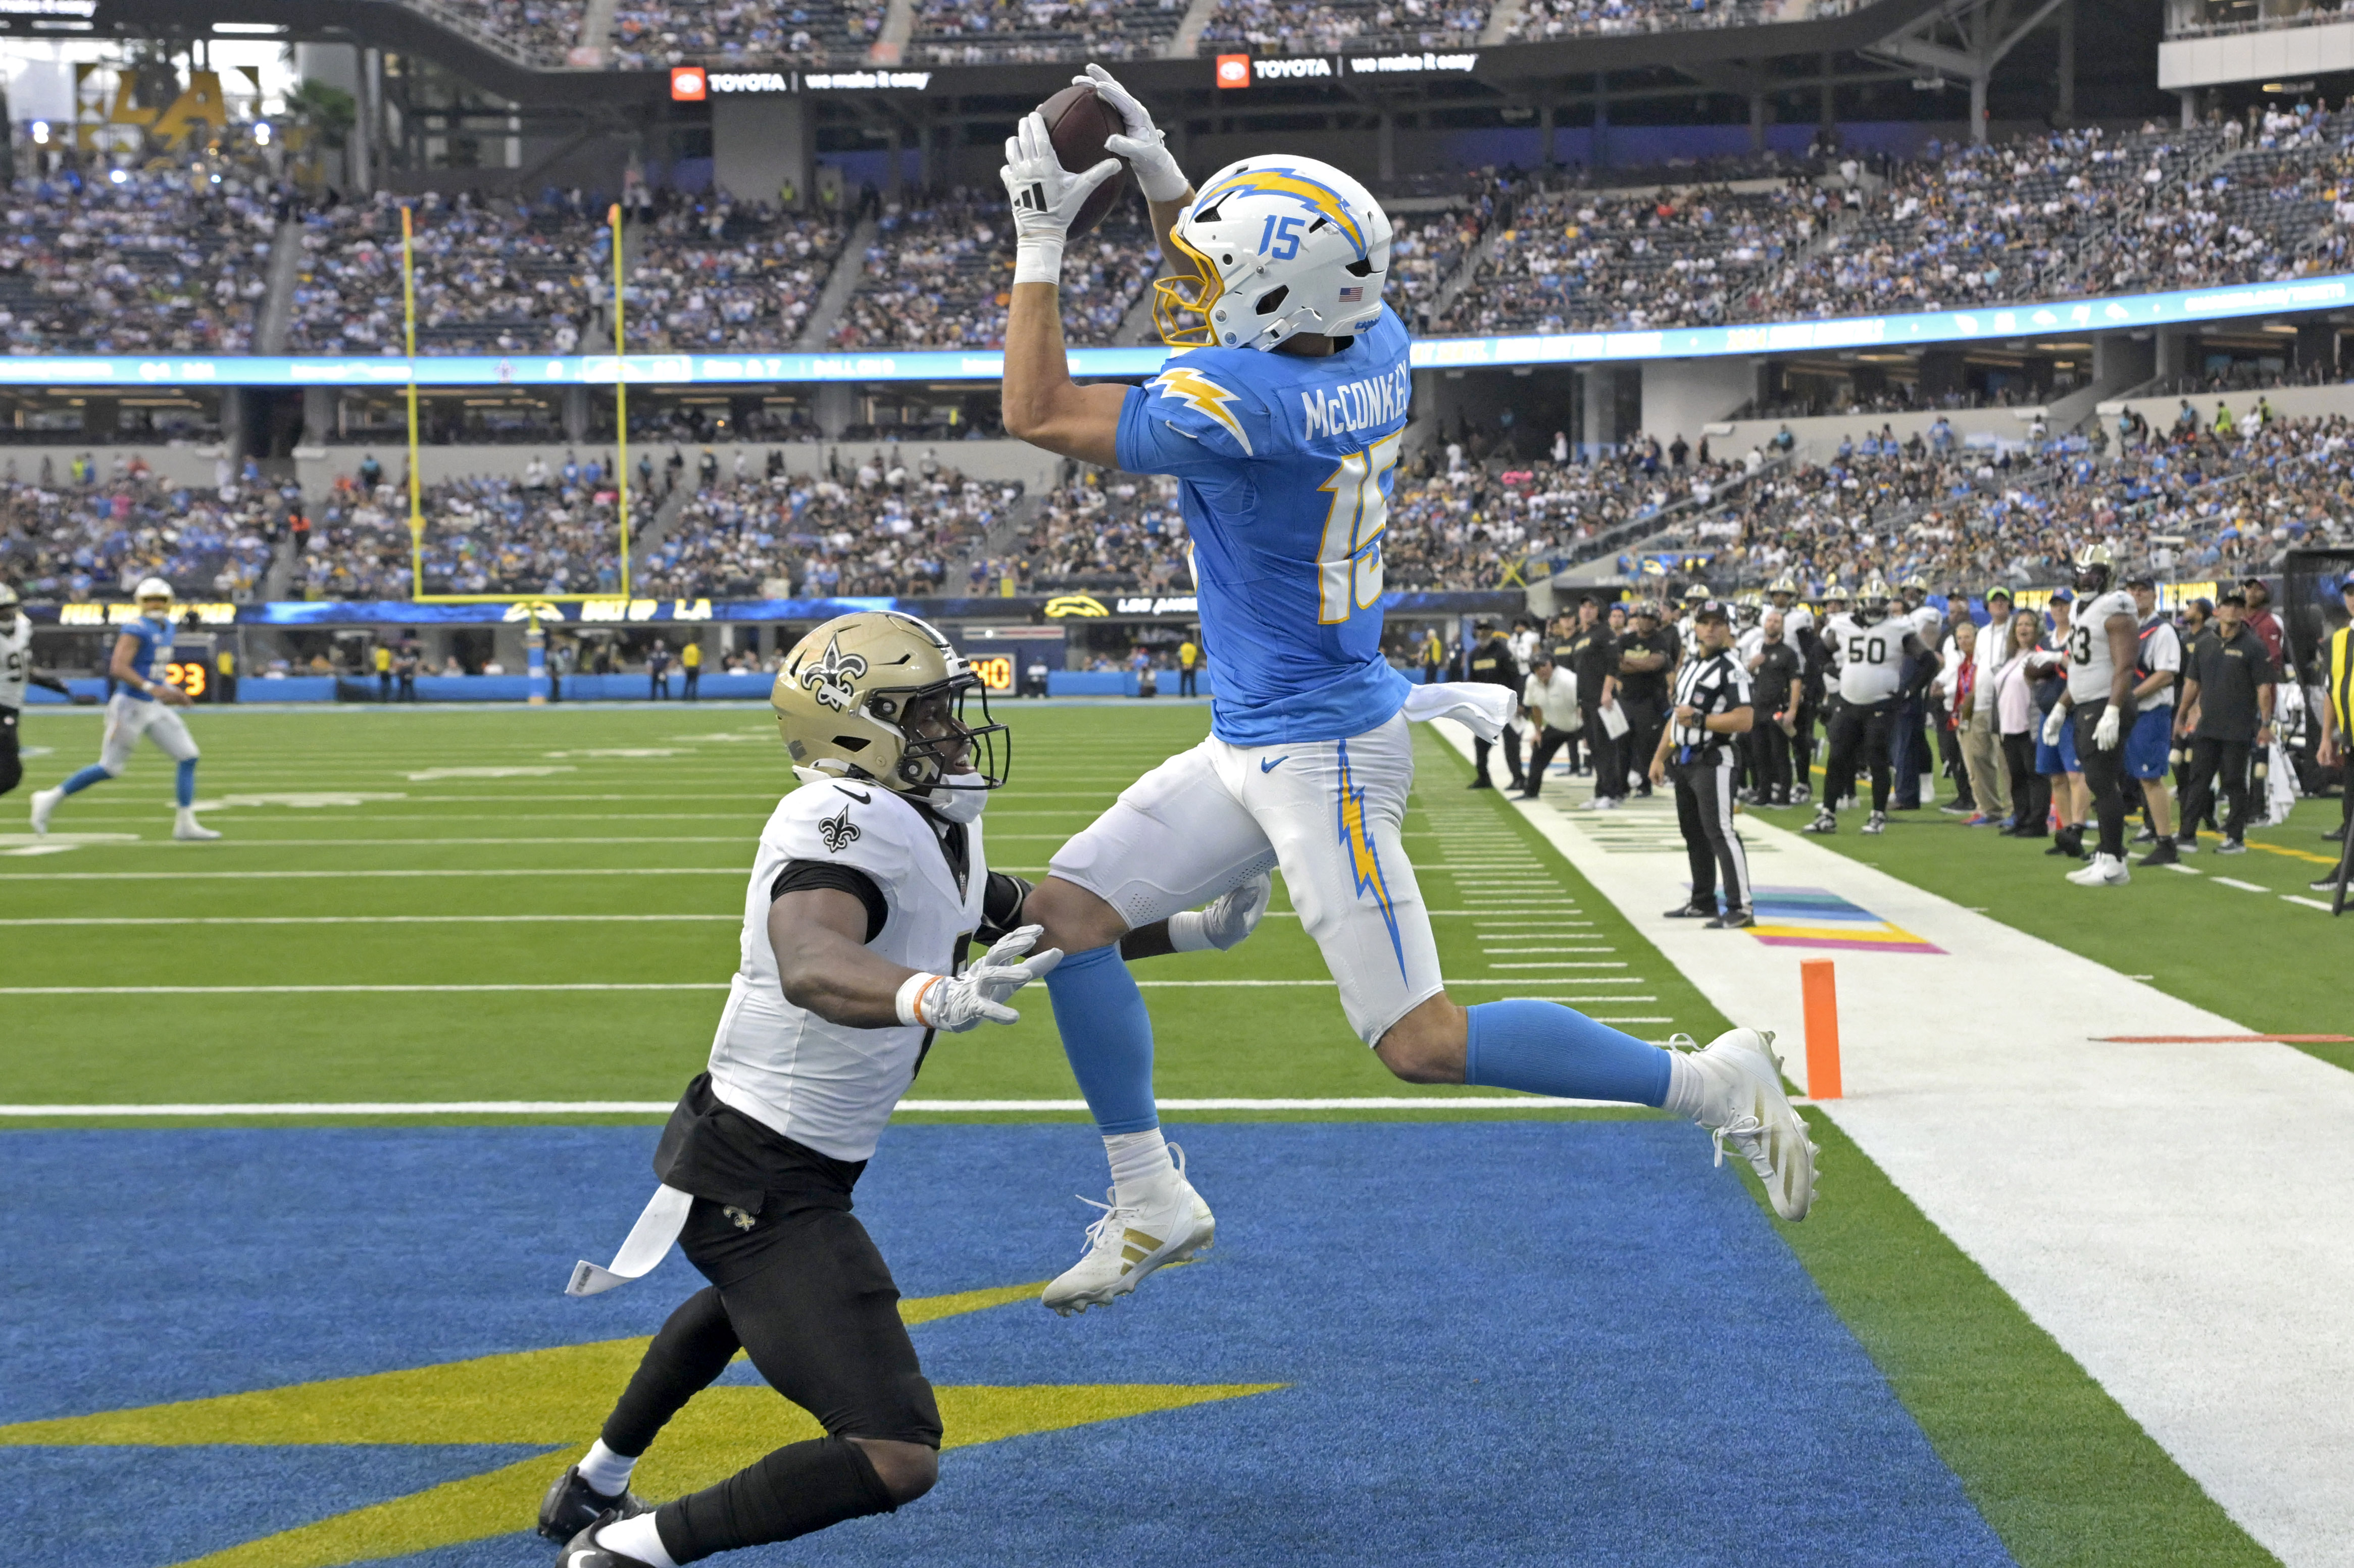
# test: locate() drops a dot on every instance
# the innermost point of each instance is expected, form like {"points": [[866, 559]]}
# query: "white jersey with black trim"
{"points": [[2091, 670], [1870, 659], [15, 662], [1795, 620], [2161, 649], [826, 1084]]}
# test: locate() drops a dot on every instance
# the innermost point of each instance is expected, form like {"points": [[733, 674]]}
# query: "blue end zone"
{"points": [[1513, 1342]]}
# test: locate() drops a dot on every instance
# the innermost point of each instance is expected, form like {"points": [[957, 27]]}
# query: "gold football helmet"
{"points": [[880, 695]]}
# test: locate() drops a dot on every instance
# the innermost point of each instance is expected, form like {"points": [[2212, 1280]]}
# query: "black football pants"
{"points": [[2105, 773], [1704, 812], [806, 1294], [1770, 762], [1859, 735], [1603, 753], [12, 765], [1481, 748]]}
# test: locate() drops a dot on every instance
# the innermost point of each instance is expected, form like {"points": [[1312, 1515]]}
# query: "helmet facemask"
{"points": [[940, 750], [1186, 294]]}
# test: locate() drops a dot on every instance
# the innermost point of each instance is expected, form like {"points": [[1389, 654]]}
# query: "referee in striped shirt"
{"points": [[1710, 706]]}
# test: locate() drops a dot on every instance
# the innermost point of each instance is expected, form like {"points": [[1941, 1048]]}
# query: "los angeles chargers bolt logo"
{"points": [[829, 679], [838, 830]]}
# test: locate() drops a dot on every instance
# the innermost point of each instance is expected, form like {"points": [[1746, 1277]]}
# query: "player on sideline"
{"points": [[17, 673], [142, 705], [1869, 653], [2103, 646], [866, 882], [1284, 423]]}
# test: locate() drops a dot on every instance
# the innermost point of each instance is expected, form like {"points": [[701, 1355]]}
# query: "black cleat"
{"points": [[1481, 784], [1732, 920], [1693, 912], [2069, 841], [571, 1506], [582, 1551], [2162, 856]]}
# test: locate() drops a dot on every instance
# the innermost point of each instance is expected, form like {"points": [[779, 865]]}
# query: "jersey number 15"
{"points": [[1348, 562]]}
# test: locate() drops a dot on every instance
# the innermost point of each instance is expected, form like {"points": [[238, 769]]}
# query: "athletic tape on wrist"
{"points": [[1038, 261], [910, 1000], [1188, 932]]}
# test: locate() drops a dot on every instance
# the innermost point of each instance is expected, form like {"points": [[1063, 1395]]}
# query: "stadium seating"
{"points": [[1355, 27], [163, 261], [979, 31], [68, 542], [1545, 19], [938, 276], [863, 533], [653, 34], [733, 277], [489, 281]]}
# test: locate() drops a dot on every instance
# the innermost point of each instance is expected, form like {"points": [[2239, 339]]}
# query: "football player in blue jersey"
{"points": [[142, 705], [1282, 416]]}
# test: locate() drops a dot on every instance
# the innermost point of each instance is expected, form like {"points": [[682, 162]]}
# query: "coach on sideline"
{"points": [[1550, 700]]}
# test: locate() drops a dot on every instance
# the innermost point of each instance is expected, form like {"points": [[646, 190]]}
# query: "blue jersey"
{"points": [[154, 650], [1287, 465]]}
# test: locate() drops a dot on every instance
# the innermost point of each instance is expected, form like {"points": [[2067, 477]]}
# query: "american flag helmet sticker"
{"points": [[1352, 295]]}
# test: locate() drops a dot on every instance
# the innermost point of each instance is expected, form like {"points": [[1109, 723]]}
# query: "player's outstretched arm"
{"points": [[819, 935], [1146, 148], [1042, 404]]}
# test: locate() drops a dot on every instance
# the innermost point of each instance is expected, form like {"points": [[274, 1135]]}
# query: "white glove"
{"points": [[1234, 915], [955, 1005], [1045, 198], [1144, 146], [2105, 728], [2052, 723]]}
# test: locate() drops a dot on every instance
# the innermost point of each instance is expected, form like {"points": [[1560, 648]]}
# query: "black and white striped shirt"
{"points": [[1712, 685]]}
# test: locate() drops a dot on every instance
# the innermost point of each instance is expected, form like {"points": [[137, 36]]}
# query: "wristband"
{"points": [[1038, 259], [910, 1000], [1188, 932]]}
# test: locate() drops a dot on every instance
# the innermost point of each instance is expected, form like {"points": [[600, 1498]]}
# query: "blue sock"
{"points": [[84, 779], [1543, 1048], [186, 785], [1108, 1035]]}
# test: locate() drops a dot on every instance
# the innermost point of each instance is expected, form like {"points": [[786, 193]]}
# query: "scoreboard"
{"points": [[999, 654]]}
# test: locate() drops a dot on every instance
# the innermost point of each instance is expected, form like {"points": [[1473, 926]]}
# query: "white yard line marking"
{"points": [[1559, 965], [917, 1107], [662, 985], [297, 875], [2184, 1294], [2243, 886], [582, 840], [2320, 904]]}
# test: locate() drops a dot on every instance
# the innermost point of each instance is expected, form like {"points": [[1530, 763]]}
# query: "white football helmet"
{"points": [[1281, 246], [153, 588]]}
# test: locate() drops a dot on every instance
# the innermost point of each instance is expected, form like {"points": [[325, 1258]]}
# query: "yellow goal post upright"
{"points": [[417, 594]]}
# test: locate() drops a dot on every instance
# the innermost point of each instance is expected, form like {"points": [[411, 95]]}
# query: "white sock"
{"points": [[607, 1473], [1688, 1087], [637, 1537], [1139, 1162]]}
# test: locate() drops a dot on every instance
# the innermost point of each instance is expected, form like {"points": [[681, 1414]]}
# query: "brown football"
{"points": [[1077, 121]]}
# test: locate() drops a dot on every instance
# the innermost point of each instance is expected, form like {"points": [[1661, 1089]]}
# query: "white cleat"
{"points": [[2102, 871], [1746, 1108], [45, 802], [187, 830], [1131, 1240]]}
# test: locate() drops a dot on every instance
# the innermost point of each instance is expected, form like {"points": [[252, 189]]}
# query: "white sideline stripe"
{"points": [[2243, 886], [920, 1108], [344, 919], [671, 985], [2184, 1292]]}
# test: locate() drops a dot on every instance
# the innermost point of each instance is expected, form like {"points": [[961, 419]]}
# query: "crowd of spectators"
{"points": [[650, 35], [881, 526], [1354, 26], [171, 259], [979, 31], [89, 533], [727, 276], [941, 275], [543, 533], [2187, 498], [1106, 531], [1540, 20], [490, 278]]}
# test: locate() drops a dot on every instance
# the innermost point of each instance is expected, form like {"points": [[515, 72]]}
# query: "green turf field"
{"points": [[2227, 938], [461, 858]]}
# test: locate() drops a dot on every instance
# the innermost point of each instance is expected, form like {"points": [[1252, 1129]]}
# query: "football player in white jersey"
{"points": [[2103, 645], [1283, 420], [17, 673], [1802, 628], [142, 705], [1869, 649], [867, 884]]}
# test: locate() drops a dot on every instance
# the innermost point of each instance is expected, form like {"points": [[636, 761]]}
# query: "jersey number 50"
{"points": [[1349, 563]]}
